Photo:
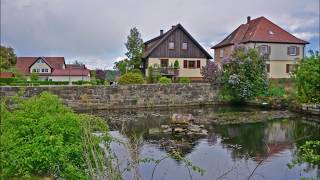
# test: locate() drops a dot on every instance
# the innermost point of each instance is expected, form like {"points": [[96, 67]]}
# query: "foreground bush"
{"points": [[131, 78], [307, 79], [43, 137], [165, 80], [184, 80]]}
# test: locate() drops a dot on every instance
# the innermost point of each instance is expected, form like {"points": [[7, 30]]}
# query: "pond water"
{"points": [[232, 149]]}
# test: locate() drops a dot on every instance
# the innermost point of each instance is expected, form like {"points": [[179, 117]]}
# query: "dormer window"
{"points": [[263, 49], [171, 45], [293, 51], [40, 61], [184, 46]]}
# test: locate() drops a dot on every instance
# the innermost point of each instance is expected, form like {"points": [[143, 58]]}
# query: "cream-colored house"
{"points": [[280, 49], [52, 68], [175, 45]]}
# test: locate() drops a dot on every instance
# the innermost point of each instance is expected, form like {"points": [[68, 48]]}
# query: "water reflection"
{"points": [[238, 148]]}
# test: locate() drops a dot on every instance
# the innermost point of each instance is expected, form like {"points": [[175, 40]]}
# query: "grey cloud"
{"points": [[94, 31]]}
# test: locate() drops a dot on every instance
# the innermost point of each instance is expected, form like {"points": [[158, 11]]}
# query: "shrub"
{"points": [[43, 137], [244, 75], [165, 80], [34, 77], [307, 79], [176, 64], [131, 78], [275, 91], [184, 80]]}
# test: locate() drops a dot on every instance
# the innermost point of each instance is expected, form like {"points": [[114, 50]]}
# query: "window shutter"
{"points": [[298, 51], [268, 68], [288, 51], [287, 68], [185, 64], [269, 50], [198, 64]]}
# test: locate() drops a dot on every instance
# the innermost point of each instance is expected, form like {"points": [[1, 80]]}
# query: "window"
{"points": [[289, 68], [268, 68], [38, 70], [40, 61], [184, 46], [164, 62], [34, 70], [221, 53], [171, 45], [293, 51], [42, 70], [191, 64], [264, 49], [185, 64], [198, 64], [46, 70]]}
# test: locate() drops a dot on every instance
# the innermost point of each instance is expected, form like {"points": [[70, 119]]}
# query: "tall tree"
{"points": [[122, 66], [135, 48], [7, 57]]}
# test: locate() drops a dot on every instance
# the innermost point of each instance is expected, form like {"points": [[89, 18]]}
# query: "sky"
{"points": [[95, 31]]}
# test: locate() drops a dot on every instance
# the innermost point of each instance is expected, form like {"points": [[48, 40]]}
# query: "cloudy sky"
{"points": [[94, 31]]}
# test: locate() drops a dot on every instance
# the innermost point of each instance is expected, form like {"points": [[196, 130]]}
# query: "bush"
{"points": [[165, 80], [131, 78], [176, 64], [43, 137], [307, 80], [275, 91], [244, 75], [34, 77], [184, 80]]}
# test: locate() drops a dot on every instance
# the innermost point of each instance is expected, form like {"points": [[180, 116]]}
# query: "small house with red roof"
{"points": [[52, 68], [279, 48]]}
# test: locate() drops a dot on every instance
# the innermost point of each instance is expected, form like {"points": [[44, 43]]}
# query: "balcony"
{"points": [[167, 71]]}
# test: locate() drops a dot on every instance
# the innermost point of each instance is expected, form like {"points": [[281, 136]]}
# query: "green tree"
{"points": [[135, 48], [34, 77], [131, 78], [7, 57], [122, 66], [307, 79], [244, 75]]}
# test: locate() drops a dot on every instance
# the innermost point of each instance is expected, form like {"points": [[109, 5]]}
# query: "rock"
{"points": [[194, 128], [204, 132], [181, 119], [164, 126], [178, 130]]}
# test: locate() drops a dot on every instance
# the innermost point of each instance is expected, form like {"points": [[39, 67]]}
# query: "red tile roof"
{"points": [[5, 75], [23, 63], [259, 30], [71, 72]]}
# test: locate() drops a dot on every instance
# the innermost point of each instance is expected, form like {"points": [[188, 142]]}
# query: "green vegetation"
{"points": [[275, 91], [23, 82], [131, 78], [135, 48], [176, 64], [307, 79], [34, 77], [184, 80], [7, 57], [309, 153], [43, 137], [244, 75], [165, 80]]}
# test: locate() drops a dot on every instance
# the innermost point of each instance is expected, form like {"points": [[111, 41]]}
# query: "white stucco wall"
{"points": [[72, 78], [183, 72], [279, 51], [40, 66]]}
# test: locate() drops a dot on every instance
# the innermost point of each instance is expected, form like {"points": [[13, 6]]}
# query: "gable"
{"points": [[159, 47]]}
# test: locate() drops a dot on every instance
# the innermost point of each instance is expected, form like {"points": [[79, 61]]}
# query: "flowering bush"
{"points": [[244, 75], [212, 73]]}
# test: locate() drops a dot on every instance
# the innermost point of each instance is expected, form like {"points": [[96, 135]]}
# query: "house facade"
{"points": [[175, 45], [52, 68], [280, 49]]}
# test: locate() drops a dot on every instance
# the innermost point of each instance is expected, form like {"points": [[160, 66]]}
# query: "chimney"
{"points": [[248, 19], [161, 32]]}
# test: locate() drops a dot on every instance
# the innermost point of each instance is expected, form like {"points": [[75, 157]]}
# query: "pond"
{"points": [[227, 142]]}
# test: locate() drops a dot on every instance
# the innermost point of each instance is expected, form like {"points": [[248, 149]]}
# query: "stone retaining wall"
{"points": [[129, 96], [311, 109]]}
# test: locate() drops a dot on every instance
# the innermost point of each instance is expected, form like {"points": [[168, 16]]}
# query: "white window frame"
{"points": [[221, 53], [295, 50], [171, 45], [184, 46], [263, 49], [46, 70]]}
